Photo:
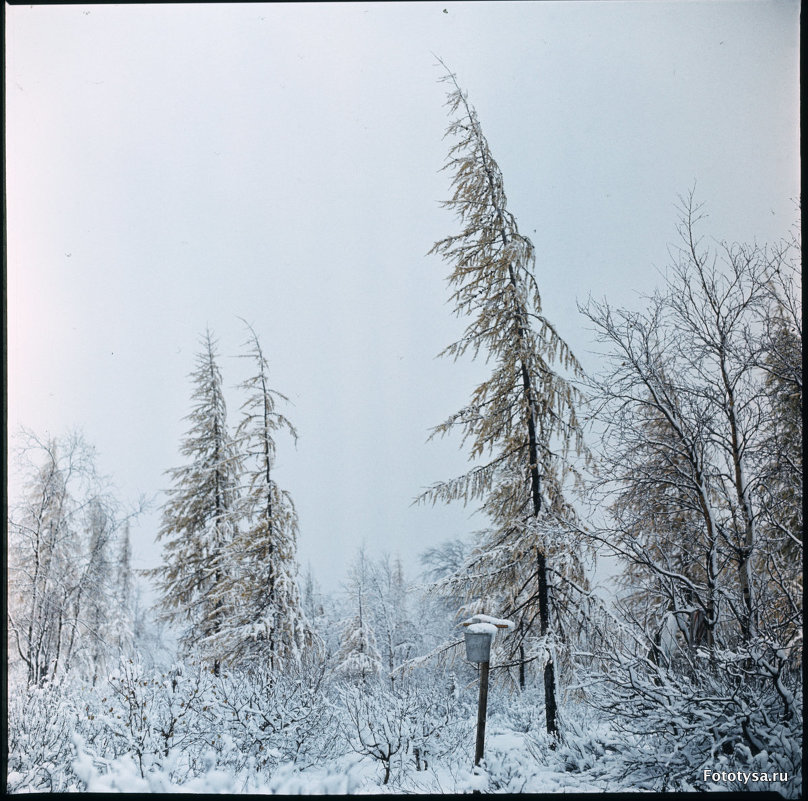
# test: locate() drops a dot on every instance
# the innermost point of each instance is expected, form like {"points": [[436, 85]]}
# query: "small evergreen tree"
{"points": [[123, 622], [200, 520], [358, 658], [268, 619]]}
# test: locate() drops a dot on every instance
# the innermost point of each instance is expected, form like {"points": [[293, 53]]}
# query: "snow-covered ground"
{"points": [[188, 731]]}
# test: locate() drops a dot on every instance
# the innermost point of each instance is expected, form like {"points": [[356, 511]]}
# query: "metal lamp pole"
{"points": [[479, 635], [482, 707]]}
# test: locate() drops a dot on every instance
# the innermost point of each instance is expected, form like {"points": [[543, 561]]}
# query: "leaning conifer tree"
{"points": [[269, 622], [200, 520], [522, 421]]}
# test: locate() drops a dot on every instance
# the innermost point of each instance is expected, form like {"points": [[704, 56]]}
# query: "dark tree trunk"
{"points": [[521, 667], [549, 669]]}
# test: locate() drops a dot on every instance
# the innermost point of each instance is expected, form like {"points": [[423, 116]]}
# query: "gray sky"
{"points": [[174, 167]]}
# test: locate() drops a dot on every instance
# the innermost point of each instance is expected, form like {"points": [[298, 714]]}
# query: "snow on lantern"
{"points": [[479, 635]]}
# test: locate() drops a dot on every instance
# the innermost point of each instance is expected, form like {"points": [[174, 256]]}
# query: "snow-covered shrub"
{"points": [[438, 723], [507, 764], [677, 724], [39, 724], [147, 714], [253, 720], [147, 729], [405, 728], [122, 775], [523, 711], [589, 750], [279, 719], [373, 722]]}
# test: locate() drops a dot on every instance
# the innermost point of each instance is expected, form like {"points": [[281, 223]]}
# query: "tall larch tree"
{"points": [[269, 622], [99, 605], [780, 358], [396, 634], [200, 519], [522, 422]]}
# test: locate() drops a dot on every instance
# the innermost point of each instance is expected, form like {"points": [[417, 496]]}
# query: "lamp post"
{"points": [[479, 635]]}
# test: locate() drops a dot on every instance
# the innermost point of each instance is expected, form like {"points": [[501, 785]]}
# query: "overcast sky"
{"points": [[176, 167]]}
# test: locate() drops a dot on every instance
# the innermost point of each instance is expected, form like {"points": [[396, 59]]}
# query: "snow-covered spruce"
{"points": [[200, 520]]}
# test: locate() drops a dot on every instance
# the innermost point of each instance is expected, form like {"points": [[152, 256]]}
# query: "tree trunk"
{"points": [[522, 667], [550, 707]]}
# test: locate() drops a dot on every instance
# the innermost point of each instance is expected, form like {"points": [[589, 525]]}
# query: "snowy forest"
{"points": [[227, 668]]}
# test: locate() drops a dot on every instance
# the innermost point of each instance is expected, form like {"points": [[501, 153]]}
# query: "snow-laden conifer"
{"points": [[99, 581], [521, 423], [268, 619], [397, 636], [358, 658], [123, 609], [200, 519], [780, 359]]}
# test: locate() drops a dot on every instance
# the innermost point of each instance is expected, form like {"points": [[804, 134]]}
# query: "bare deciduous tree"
{"points": [[61, 593], [698, 404]]}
